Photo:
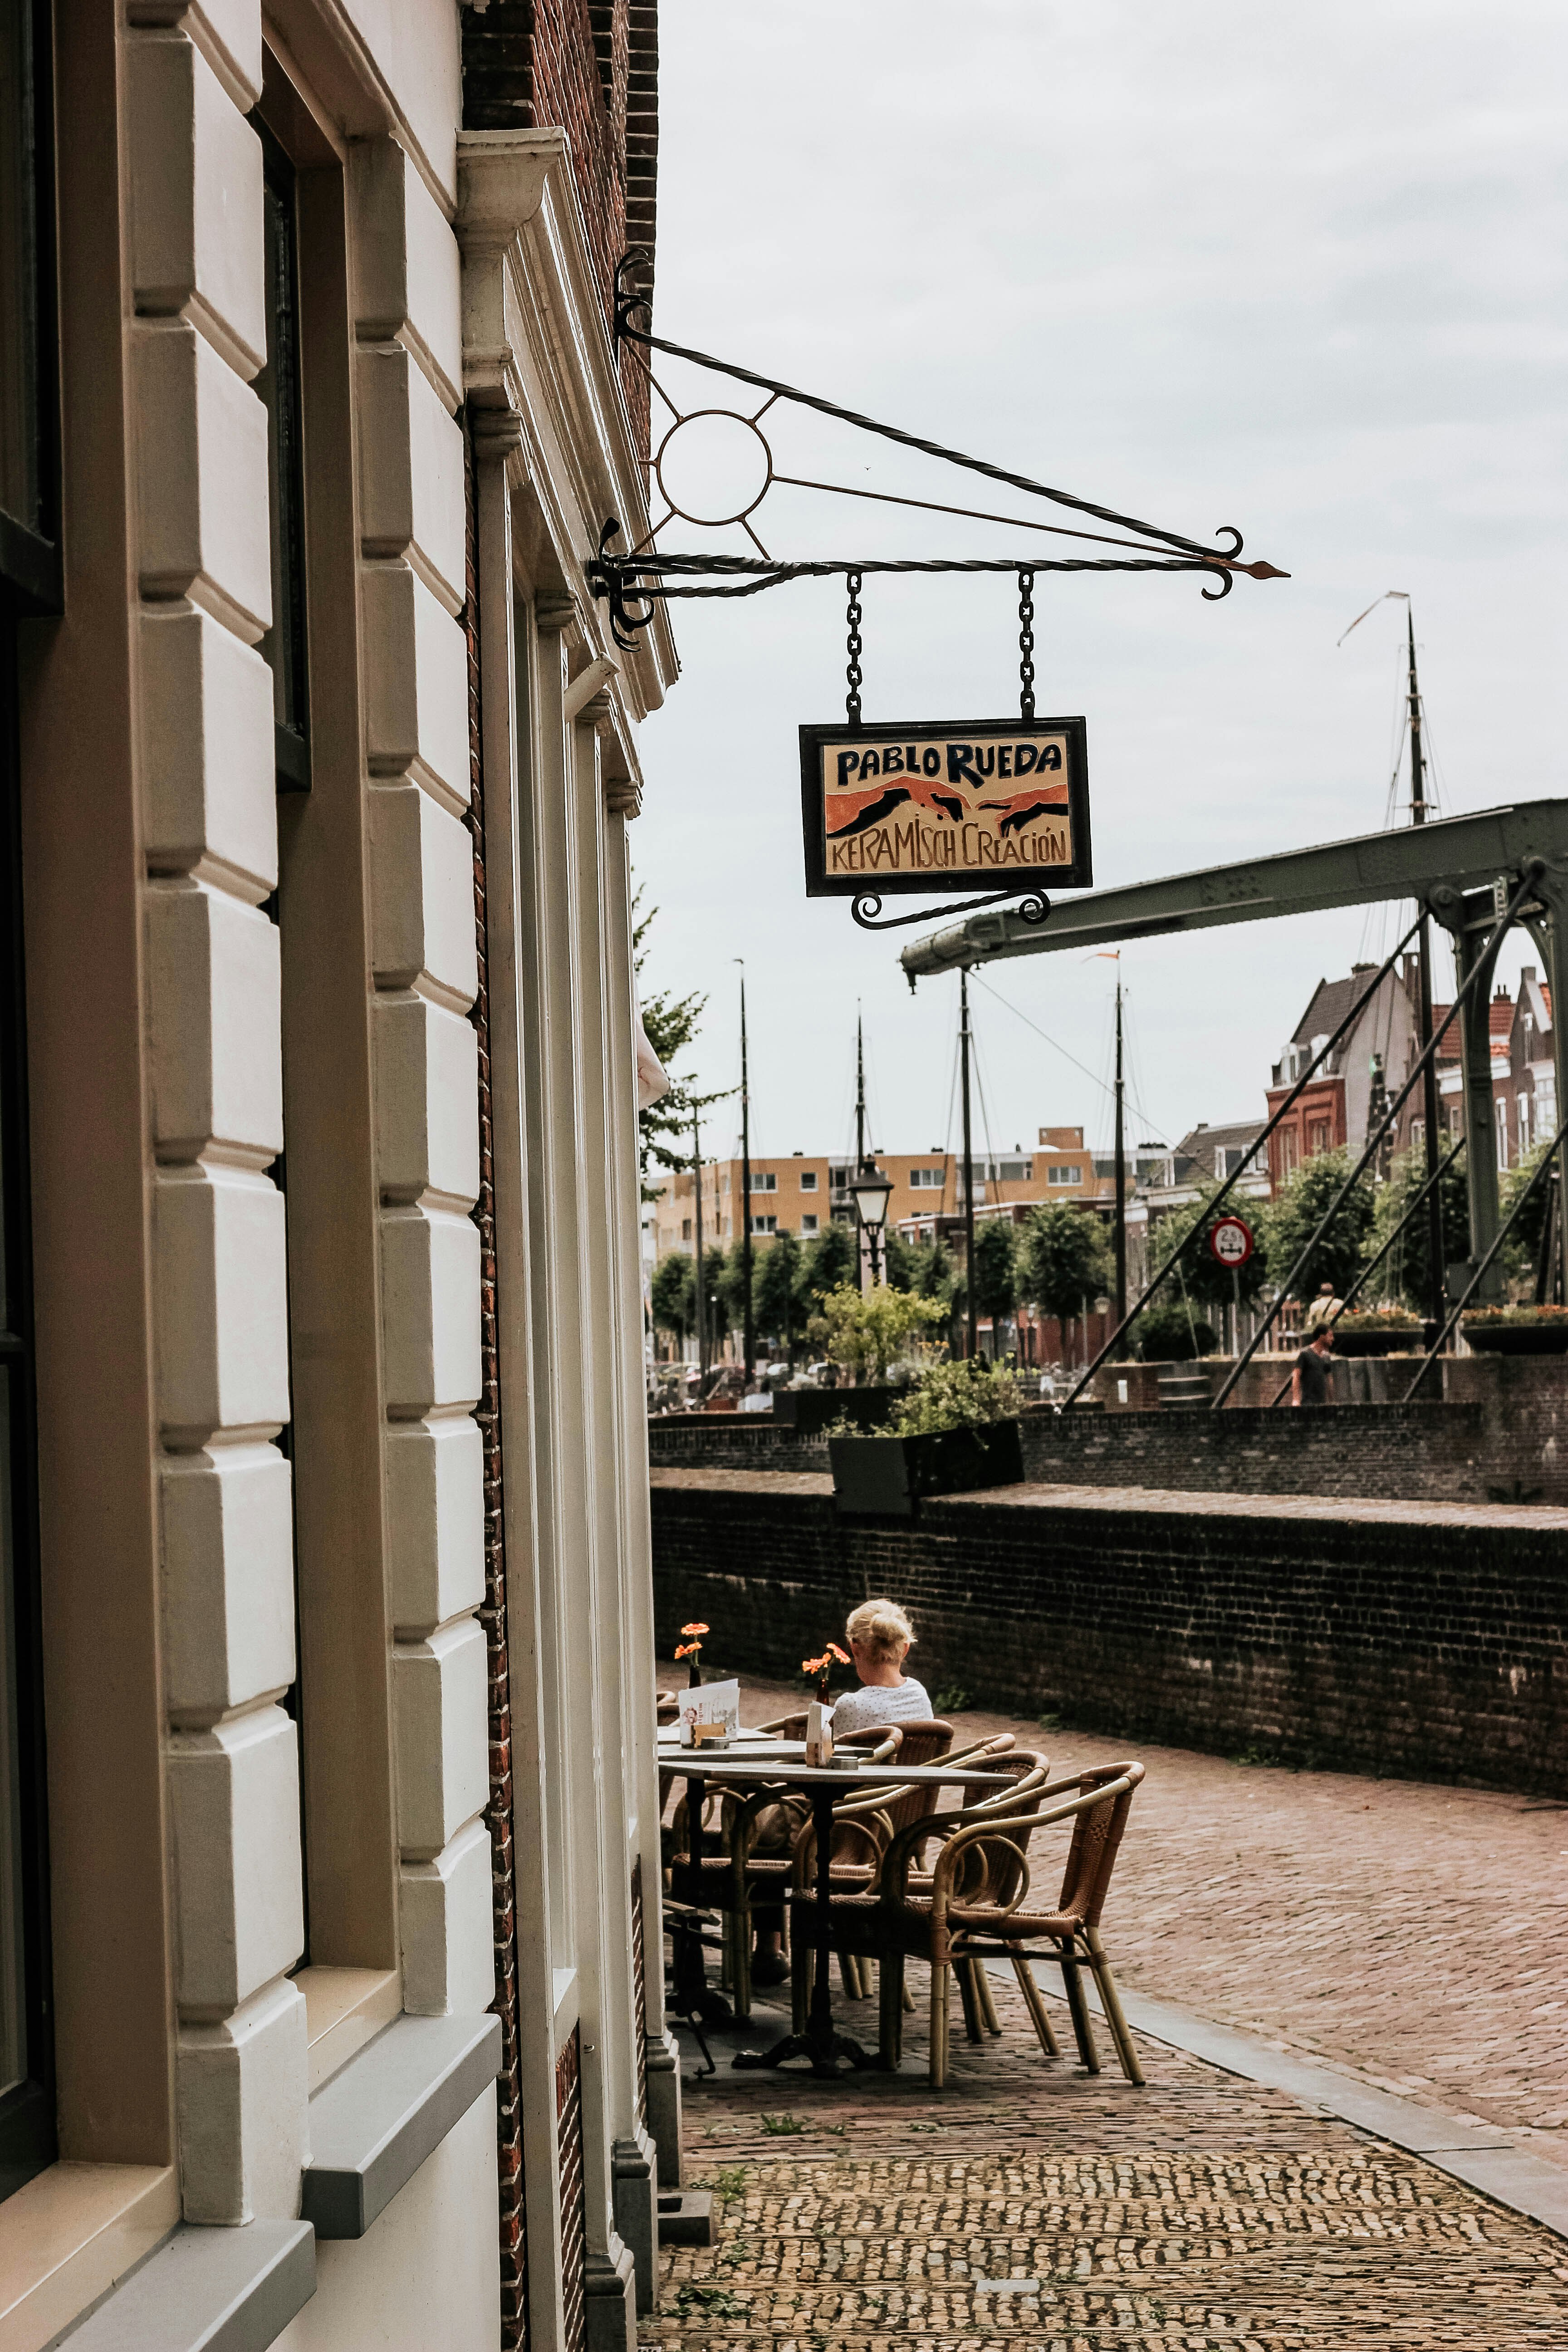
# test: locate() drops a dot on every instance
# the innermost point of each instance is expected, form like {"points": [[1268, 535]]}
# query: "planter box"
{"points": [[885, 1476], [808, 1412], [1517, 1339], [1392, 1339]]}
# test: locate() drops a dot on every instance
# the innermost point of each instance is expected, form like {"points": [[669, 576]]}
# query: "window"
{"points": [[1072, 1173], [279, 386], [29, 443], [1500, 1108], [808, 1180], [764, 1224], [763, 1180], [686, 1229], [1289, 1152], [1013, 1172], [927, 1180], [1316, 1137], [1525, 1138], [809, 1224]]}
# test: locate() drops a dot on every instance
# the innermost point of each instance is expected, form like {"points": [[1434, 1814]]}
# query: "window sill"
{"points": [[205, 2288], [70, 2234], [376, 2121], [345, 2009]]}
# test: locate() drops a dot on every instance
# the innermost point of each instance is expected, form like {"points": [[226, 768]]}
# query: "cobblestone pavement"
{"points": [[1416, 1935], [1197, 2212]]}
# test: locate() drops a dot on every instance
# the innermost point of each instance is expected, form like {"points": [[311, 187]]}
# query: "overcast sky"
{"points": [[1300, 270]]}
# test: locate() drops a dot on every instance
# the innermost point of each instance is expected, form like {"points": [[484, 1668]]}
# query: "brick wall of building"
{"points": [[1415, 1643], [1501, 1434], [590, 67]]}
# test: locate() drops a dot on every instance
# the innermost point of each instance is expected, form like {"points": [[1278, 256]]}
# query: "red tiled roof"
{"points": [[1501, 1018]]}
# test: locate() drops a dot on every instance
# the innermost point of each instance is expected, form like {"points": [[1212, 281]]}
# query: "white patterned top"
{"points": [[860, 1710]]}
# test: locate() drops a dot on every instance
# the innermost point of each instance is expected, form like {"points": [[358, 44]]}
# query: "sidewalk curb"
{"points": [[1486, 2160]]}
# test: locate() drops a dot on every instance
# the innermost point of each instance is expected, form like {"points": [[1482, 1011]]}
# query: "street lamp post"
{"points": [[870, 1191]]}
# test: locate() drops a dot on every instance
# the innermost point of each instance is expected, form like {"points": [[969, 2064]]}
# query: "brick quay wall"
{"points": [[1499, 1433], [1426, 1641]]}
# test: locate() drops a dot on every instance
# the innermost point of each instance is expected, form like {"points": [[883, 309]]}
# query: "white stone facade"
{"points": [[302, 1644]]}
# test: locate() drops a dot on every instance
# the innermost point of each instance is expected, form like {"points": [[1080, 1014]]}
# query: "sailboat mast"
{"points": [[697, 1179], [859, 1139], [1121, 1168], [748, 1319], [972, 1310], [1436, 1285]]}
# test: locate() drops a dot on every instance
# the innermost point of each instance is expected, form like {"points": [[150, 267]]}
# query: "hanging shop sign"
{"points": [[1231, 1242], [952, 804]]}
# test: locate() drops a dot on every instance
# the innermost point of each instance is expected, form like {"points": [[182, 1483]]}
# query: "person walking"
{"points": [[1312, 1380], [1327, 1308]]}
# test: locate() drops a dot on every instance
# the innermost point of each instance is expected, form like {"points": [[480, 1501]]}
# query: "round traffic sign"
{"points": [[1231, 1242]]}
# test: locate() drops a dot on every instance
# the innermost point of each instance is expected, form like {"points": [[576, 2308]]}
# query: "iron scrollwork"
{"points": [[867, 907]]}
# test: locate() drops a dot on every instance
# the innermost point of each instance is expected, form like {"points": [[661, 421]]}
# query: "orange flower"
{"points": [[689, 1649], [835, 1652], [812, 1665], [694, 1629]]}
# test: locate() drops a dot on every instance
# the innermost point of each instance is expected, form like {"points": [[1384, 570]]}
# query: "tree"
{"points": [[1169, 1332], [867, 1331], [1208, 1283], [670, 1025], [673, 1293], [1064, 1259], [1404, 1275], [775, 1290], [1290, 1220], [831, 1259], [995, 1268], [715, 1293], [1521, 1251], [730, 1286]]}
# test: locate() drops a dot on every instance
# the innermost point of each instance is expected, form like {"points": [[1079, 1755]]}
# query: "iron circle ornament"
{"points": [[713, 521], [1230, 1242]]}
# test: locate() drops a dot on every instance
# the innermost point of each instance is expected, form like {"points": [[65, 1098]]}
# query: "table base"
{"points": [[823, 2049]]}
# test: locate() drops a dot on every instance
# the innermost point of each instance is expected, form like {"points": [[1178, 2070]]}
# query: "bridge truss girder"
{"points": [[1463, 869]]}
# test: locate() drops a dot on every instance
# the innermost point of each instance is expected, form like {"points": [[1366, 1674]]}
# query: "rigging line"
{"points": [[969, 514], [912, 440], [1035, 1026]]}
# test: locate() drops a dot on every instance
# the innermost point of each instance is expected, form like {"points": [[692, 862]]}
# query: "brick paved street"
{"points": [[1418, 1936], [1200, 2211]]}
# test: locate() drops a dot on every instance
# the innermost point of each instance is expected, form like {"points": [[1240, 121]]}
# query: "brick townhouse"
{"points": [[329, 1866], [1378, 1053]]}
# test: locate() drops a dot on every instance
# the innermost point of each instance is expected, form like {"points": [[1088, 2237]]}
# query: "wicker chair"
{"points": [[737, 1881], [971, 1909], [857, 1914]]}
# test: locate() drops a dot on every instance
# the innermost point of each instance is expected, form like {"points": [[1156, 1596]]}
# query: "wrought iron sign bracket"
{"points": [[632, 583]]}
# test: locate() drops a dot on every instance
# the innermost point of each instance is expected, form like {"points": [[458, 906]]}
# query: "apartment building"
{"points": [[330, 2005], [798, 1195]]}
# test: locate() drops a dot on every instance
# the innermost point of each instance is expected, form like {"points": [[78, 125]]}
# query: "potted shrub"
{"points": [[956, 1430], [1516, 1330], [1377, 1331]]}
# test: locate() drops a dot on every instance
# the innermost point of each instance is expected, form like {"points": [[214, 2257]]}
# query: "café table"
{"points": [[821, 2042]]}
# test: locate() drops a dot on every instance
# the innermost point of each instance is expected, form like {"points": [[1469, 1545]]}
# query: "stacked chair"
{"points": [[970, 1906], [734, 1879]]}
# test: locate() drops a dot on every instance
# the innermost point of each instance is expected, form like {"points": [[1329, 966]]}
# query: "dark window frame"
{"points": [[28, 2135], [32, 575], [287, 645], [31, 588]]}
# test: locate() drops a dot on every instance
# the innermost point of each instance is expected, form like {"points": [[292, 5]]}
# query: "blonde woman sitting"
{"points": [[880, 1637]]}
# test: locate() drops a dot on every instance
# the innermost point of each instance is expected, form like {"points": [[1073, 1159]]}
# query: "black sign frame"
{"points": [[821, 883]]}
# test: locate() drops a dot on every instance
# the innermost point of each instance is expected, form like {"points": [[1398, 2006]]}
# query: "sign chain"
{"points": [[1026, 642], [852, 672]]}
